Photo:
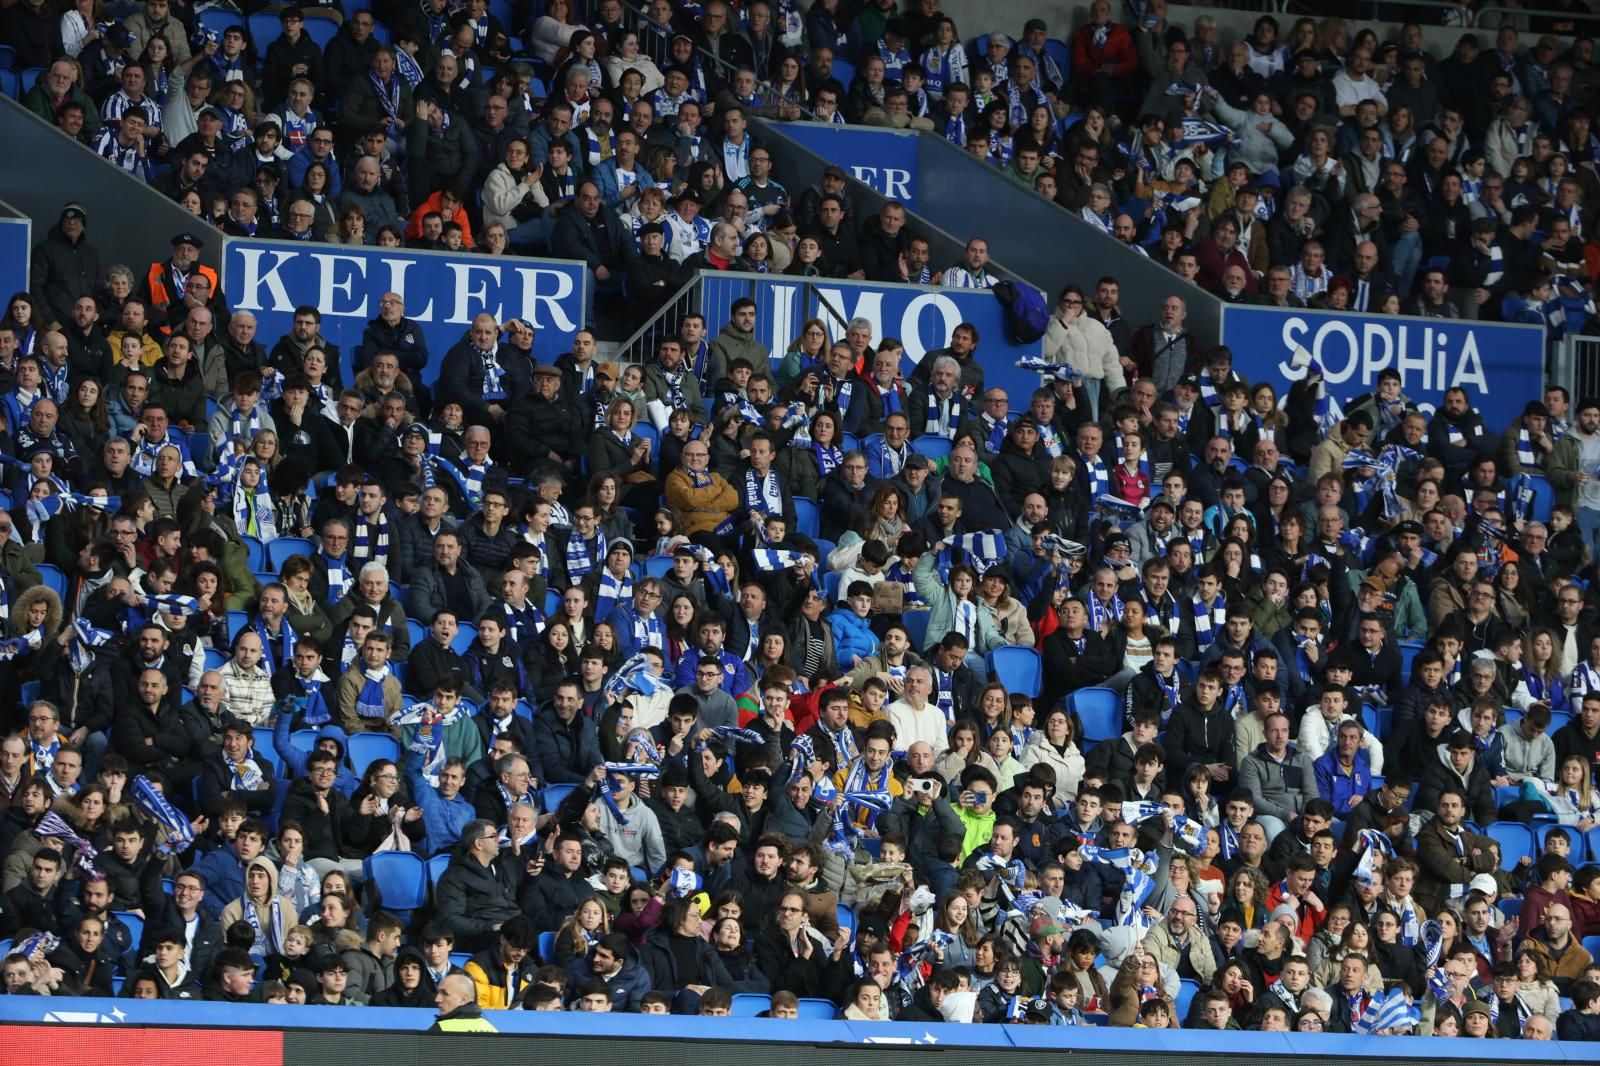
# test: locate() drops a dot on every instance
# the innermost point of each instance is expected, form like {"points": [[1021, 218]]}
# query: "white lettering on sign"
{"points": [[1357, 353], [892, 182], [347, 285]]}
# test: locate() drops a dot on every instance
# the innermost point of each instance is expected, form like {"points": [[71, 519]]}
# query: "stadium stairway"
{"points": [[129, 222]]}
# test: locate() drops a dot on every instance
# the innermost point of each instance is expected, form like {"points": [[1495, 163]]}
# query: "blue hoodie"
{"points": [[853, 638]]}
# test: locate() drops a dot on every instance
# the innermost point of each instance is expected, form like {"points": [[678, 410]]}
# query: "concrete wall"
{"points": [[129, 222]]}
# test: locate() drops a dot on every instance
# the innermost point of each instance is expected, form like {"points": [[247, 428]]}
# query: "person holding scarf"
{"points": [[869, 771], [268, 914], [763, 490]]}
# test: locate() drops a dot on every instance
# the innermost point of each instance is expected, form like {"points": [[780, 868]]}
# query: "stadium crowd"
{"points": [[1143, 699]]}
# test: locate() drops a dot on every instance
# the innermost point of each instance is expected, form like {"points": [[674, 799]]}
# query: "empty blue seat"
{"points": [[237, 620], [1188, 988], [53, 579], [749, 1004], [281, 548], [547, 947], [933, 447], [401, 878], [818, 1009], [466, 633], [658, 566], [364, 749], [1100, 712], [320, 28], [1514, 839], [553, 795], [806, 517], [916, 623], [255, 551], [264, 749], [1018, 668], [437, 866]]}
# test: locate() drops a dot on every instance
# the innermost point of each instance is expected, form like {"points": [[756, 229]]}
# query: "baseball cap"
{"points": [[1486, 884], [189, 239], [686, 193], [74, 210], [1190, 381], [210, 111], [545, 370], [1408, 527], [651, 227], [919, 461], [832, 171]]}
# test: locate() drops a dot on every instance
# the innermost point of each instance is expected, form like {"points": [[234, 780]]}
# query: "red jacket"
{"points": [[1087, 58]]}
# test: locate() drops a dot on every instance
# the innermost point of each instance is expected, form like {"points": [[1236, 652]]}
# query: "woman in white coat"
{"points": [[1056, 745], [1080, 341]]}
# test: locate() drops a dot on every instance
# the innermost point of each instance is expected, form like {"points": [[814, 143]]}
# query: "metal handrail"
{"points": [[658, 325]]}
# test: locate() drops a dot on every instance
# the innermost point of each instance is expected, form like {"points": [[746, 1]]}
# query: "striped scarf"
{"points": [[944, 416], [267, 941], [371, 543], [861, 779], [1208, 620], [764, 494], [1525, 454], [253, 514], [1497, 265], [286, 660], [369, 701], [612, 591], [339, 577], [579, 561], [1095, 470], [1103, 617]]}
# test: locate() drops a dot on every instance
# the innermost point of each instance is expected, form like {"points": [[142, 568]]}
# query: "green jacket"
{"points": [[1561, 469], [942, 607], [1410, 621], [16, 565], [732, 343]]}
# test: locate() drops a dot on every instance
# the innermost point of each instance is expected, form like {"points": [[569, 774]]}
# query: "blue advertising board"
{"points": [[15, 250], [922, 317], [443, 291], [882, 159], [1501, 366]]}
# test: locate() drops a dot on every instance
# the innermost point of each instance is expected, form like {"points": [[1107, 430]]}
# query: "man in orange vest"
{"points": [[166, 283]]}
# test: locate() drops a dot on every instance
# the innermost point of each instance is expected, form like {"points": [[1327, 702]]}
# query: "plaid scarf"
{"points": [[579, 561], [371, 543]]}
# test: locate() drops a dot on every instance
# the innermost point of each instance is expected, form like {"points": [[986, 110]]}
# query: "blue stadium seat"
{"points": [[401, 878], [552, 796], [1515, 841], [1377, 720], [818, 1010], [53, 579], [236, 622], [847, 918], [1100, 712], [466, 633], [437, 866], [319, 28], [8, 57], [281, 548], [916, 623], [748, 1004], [364, 749], [266, 27], [460, 958], [933, 447], [805, 514], [27, 77], [1408, 650], [1510, 908], [215, 658], [830, 586], [10, 84], [1018, 668], [255, 551], [1558, 720], [547, 948], [1591, 944], [1591, 840], [264, 749], [417, 631], [218, 20], [1188, 988], [27, 693], [134, 923], [658, 566], [844, 71]]}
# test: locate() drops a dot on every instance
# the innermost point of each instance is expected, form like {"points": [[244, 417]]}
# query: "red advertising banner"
{"points": [[96, 1046]]}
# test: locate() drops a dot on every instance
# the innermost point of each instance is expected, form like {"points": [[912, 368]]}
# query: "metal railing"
{"points": [[640, 347], [1575, 364], [1480, 17]]}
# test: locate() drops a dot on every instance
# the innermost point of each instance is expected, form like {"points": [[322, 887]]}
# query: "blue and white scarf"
{"points": [[371, 541], [579, 560], [1208, 620], [763, 495], [944, 417], [369, 701]]}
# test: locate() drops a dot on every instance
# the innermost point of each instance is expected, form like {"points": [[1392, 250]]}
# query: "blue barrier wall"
{"points": [[16, 246], [921, 317], [883, 160], [134, 1012], [442, 291], [1499, 365]]}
